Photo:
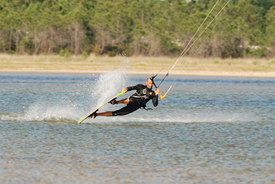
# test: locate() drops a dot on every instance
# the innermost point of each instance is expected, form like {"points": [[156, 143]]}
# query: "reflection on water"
{"points": [[209, 130]]}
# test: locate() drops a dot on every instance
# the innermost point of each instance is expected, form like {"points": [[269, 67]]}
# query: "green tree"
{"points": [[141, 27], [270, 29]]}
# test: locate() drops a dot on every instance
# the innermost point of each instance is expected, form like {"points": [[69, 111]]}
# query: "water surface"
{"points": [[207, 130]]}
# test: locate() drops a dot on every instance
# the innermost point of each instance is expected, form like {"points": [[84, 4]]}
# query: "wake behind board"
{"points": [[80, 121]]}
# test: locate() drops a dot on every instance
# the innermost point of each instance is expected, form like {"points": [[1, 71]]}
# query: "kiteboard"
{"points": [[80, 121]]}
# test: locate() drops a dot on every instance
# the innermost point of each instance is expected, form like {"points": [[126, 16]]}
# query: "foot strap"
{"points": [[113, 101]]}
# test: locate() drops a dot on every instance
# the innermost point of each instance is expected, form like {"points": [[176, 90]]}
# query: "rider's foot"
{"points": [[113, 102], [93, 116]]}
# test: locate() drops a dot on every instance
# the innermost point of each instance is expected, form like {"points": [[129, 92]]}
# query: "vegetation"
{"points": [[149, 65], [136, 27]]}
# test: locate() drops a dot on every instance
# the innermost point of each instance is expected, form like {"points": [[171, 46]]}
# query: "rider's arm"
{"points": [[155, 100]]}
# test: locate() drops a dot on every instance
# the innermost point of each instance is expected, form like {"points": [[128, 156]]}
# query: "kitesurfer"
{"points": [[143, 94]]}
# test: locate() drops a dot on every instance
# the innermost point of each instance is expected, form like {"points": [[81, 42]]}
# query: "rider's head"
{"points": [[149, 83]]}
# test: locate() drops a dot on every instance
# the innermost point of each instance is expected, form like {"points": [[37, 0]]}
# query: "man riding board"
{"points": [[143, 94]]}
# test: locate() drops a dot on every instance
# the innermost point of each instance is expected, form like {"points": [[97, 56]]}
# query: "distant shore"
{"points": [[248, 67]]}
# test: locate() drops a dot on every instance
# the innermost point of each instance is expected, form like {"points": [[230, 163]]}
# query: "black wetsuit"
{"points": [[138, 100]]}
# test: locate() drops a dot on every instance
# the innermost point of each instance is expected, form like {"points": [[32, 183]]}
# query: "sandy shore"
{"points": [[252, 67]]}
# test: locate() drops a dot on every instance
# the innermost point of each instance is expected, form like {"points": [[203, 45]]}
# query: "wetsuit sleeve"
{"points": [[137, 87], [155, 100]]}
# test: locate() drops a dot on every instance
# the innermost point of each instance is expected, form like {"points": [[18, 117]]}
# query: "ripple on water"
{"points": [[207, 130]]}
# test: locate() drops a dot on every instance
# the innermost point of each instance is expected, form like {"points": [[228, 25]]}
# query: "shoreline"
{"points": [[190, 73], [139, 65]]}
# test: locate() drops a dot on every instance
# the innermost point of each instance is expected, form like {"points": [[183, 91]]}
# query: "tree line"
{"points": [[137, 27]]}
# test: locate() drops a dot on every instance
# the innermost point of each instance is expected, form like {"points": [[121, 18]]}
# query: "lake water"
{"points": [[207, 130]]}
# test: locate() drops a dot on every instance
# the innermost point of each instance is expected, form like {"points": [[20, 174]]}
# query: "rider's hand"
{"points": [[157, 91]]}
